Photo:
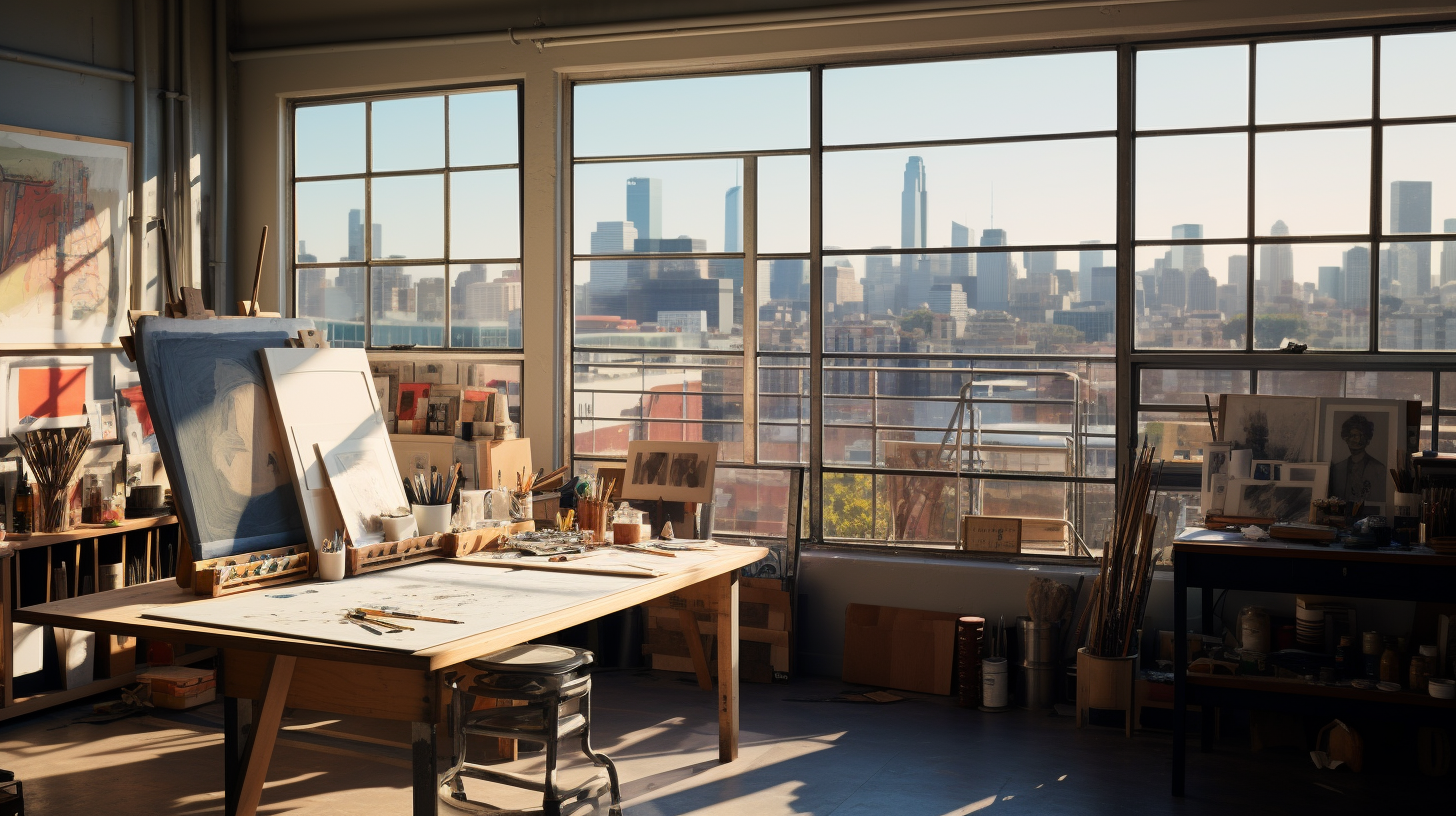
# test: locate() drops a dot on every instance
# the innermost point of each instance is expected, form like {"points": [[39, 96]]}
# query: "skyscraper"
{"points": [[1202, 291], [913, 202], [1331, 282], [1357, 278], [608, 286], [993, 274], [644, 206], [356, 238], [1410, 211], [1087, 260], [787, 279], [733, 220], [960, 236], [1448, 254], [1276, 265], [1039, 261], [1187, 258]]}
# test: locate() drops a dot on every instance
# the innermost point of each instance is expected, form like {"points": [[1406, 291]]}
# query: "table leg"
{"points": [[423, 743], [726, 590], [1180, 672], [264, 735], [1206, 712], [237, 720], [689, 623]]}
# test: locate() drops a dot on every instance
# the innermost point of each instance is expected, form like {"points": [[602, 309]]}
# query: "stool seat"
{"points": [[534, 658]]}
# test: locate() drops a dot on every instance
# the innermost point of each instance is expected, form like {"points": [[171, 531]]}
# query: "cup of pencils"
{"points": [[432, 499]]}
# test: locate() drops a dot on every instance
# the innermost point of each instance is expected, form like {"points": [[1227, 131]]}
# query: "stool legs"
{"points": [[600, 760]]}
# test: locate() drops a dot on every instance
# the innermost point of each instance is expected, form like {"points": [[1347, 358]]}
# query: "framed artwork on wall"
{"points": [[53, 390], [65, 271]]}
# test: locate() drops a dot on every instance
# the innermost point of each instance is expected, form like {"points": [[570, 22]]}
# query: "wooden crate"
{"points": [[764, 636]]}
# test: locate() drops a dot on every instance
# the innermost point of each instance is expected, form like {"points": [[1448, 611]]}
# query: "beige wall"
{"points": [[266, 85]]}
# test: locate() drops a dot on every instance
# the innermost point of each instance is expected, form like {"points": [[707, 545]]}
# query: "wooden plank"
{"points": [[726, 585], [911, 649], [7, 643], [264, 734], [341, 688], [24, 541], [695, 649]]}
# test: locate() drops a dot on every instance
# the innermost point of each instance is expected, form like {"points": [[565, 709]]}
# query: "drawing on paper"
{"points": [[63, 235]]}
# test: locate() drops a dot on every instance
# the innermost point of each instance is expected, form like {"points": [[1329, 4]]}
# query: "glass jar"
{"points": [[1390, 663], [1420, 673]]}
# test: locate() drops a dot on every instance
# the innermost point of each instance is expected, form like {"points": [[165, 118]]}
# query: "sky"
{"points": [[1061, 191]]}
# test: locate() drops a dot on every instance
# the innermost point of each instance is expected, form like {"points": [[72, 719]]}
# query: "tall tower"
{"points": [[1448, 254], [1357, 278], [1410, 211], [733, 220], [964, 264], [913, 202], [607, 288], [644, 206], [1276, 265], [993, 273], [1087, 260], [1187, 258]]}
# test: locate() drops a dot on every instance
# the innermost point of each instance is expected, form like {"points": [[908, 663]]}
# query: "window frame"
{"points": [[445, 262], [1129, 359]]}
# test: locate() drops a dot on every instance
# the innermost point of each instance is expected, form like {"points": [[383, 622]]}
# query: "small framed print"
{"points": [[991, 534]]}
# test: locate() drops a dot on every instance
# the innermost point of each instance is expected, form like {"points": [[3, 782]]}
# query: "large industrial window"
{"points": [[907, 277], [406, 219]]}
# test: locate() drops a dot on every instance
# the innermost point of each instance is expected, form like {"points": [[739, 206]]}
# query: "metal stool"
{"points": [[545, 679]]}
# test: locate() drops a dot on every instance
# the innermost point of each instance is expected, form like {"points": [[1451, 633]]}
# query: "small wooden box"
{"points": [[995, 534]]}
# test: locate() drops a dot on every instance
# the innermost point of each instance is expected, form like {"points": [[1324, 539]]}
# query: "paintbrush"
{"points": [[377, 622], [630, 548], [384, 613]]}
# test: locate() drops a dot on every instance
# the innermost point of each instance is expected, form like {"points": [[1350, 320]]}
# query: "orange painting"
{"points": [[46, 393]]}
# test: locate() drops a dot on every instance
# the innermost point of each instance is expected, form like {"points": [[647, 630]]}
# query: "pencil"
{"points": [[406, 615]]}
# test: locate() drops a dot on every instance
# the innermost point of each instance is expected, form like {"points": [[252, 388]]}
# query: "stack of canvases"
{"points": [[763, 631]]}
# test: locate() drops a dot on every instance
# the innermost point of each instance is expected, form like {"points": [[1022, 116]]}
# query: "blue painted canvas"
{"points": [[204, 385]]}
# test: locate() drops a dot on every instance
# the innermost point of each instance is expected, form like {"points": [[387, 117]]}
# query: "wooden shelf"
{"points": [[1277, 685], [49, 699], [81, 532]]}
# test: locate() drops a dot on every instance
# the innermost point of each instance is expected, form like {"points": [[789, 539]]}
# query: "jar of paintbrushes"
{"points": [[53, 456], [432, 498]]}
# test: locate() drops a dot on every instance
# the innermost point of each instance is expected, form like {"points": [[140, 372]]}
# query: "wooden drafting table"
{"points": [[286, 672]]}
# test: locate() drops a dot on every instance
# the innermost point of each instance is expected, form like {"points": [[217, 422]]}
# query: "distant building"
{"points": [[1276, 265], [1202, 291], [644, 206], [1410, 212], [683, 321], [993, 274], [962, 236]]}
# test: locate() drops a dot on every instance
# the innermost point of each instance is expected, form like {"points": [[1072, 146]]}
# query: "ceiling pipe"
{"points": [[27, 58], [698, 26]]}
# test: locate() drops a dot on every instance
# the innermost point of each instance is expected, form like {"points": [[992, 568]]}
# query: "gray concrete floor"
{"points": [[920, 757]]}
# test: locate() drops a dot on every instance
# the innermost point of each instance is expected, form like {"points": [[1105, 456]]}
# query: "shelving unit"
{"points": [[147, 546]]}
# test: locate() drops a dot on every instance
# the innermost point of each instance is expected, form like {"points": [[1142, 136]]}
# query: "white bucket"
{"points": [[995, 688]]}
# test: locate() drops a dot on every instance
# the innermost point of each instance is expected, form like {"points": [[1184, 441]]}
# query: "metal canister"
{"points": [[1036, 676]]}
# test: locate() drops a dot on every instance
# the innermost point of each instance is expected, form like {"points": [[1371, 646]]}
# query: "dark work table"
{"points": [[1211, 559]]}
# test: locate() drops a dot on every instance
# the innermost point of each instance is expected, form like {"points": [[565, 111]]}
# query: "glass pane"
{"points": [[1415, 314], [330, 220], [1176, 435], [673, 206], [328, 140], [1193, 87], [691, 115], [783, 205], [1314, 294], [752, 502], [1302, 383], [408, 134], [1192, 180], [783, 443], [1312, 81], [668, 304], [408, 305], [1188, 386], [783, 305], [334, 298], [1415, 73], [485, 306], [1313, 182], [1420, 168], [783, 409], [1012, 302], [409, 216], [484, 128], [1029, 501], [1046, 93], [1191, 296], [485, 219], [1406, 385], [854, 507], [618, 401], [1035, 192]]}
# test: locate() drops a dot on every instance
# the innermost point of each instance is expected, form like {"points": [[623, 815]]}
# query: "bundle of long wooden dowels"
{"points": [[1120, 593]]}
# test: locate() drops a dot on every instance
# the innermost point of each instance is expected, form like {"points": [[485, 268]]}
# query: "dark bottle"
{"points": [[21, 515]]}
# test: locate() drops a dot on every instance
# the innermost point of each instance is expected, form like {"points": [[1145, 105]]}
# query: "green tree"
{"points": [[1271, 329], [849, 507], [917, 323]]}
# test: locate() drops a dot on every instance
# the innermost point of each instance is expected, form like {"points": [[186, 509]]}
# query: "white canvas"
{"points": [[485, 598], [324, 399]]}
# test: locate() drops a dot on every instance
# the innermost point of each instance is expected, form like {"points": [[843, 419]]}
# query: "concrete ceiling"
{"points": [[270, 23]]}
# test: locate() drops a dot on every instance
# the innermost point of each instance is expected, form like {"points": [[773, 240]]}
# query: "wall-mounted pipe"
{"points": [[184, 148], [707, 24], [59, 64], [138, 147], [222, 295]]}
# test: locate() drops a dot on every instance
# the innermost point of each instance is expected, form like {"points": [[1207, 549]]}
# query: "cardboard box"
{"points": [[910, 649]]}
